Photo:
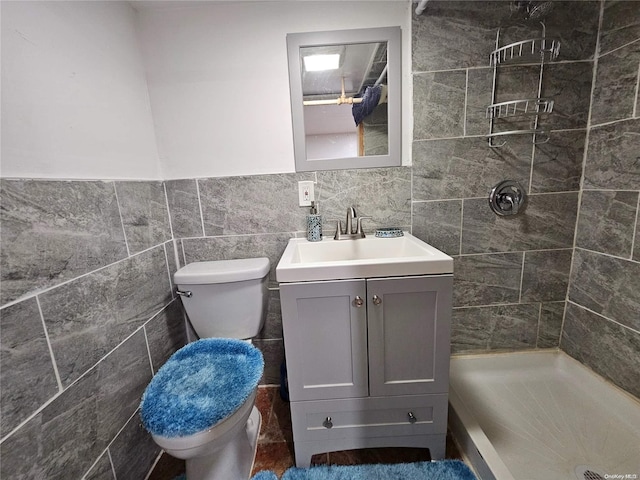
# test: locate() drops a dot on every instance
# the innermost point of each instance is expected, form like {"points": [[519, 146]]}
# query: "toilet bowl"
{"points": [[200, 406]]}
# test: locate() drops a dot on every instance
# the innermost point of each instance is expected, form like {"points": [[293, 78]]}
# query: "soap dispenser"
{"points": [[314, 224]]}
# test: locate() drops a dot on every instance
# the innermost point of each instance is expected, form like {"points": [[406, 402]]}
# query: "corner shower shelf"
{"points": [[545, 50]]}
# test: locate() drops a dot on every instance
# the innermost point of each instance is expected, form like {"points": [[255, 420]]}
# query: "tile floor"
{"points": [[275, 445]]}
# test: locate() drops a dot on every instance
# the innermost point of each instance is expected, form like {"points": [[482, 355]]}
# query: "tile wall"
{"points": [[87, 316], [602, 321]]}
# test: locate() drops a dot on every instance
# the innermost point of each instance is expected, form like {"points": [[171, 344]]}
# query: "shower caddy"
{"points": [[531, 107]]}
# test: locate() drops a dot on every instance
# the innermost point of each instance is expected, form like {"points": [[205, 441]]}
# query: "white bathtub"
{"points": [[542, 416]]}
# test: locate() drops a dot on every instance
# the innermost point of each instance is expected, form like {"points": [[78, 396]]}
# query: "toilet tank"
{"points": [[228, 297]]}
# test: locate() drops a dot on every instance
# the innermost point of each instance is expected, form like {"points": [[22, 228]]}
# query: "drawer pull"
{"points": [[358, 302], [327, 423], [377, 300], [412, 417]]}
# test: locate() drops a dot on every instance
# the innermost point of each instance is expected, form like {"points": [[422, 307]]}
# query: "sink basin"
{"points": [[331, 259]]}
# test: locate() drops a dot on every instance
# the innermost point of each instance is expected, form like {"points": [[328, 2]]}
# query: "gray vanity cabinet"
{"points": [[368, 362]]}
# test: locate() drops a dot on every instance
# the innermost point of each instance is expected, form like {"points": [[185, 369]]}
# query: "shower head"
{"points": [[533, 10]]}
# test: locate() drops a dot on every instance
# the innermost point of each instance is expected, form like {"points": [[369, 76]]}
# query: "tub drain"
{"points": [[584, 472]]}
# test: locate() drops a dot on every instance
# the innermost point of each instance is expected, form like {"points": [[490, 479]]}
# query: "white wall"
{"points": [[218, 79], [74, 97]]}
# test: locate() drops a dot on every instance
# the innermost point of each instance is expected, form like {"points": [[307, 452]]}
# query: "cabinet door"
{"points": [[325, 335], [409, 335]]}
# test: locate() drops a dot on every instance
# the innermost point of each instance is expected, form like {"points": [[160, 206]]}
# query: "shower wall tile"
{"points": [[273, 353], [170, 253], [237, 246], [252, 204], [487, 279], [546, 275], [53, 231], [439, 224], [381, 193], [439, 103], [467, 167], [166, 333], [636, 247], [89, 316], [620, 24], [479, 85], [612, 157], [121, 379], [550, 327], [614, 94], [546, 222], [102, 470], [133, 437], [569, 84], [28, 378], [184, 208], [500, 327], [143, 207], [606, 222], [608, 348], [557, 164], [575, 25], [60, 441], [607, 285]]}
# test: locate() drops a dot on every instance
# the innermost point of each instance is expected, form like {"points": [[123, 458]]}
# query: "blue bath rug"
{"points": [[201, 384], [441, 470]]}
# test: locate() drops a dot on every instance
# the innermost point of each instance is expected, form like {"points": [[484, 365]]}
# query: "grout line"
{"points": [[539, 323], [608, 255], [508, 304], [53, 357], [484, 136], [166, 261], [204, 233], [166, 201], [635, 105], [461, 225], [617, 48], [636, 232], [466, 99], [126, 243], [601, 316], [611, 122], [113, 467], [524, 254], [487, 67], [146, 342]]}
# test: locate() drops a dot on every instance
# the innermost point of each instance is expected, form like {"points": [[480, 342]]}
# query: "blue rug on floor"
{"points": [[441, 470]]}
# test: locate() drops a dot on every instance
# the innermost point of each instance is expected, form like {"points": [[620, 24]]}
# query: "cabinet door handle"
{"points": [[327, 423], [412, 417], [358, 302], [377, 300]]}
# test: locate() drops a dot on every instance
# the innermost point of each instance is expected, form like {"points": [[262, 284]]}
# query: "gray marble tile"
{"points": [[88, 317], [170, 253], [569, 84], [500, 327], [620, 24], [614, 94], [166, 333], [636, 244], [133, 451], [439, 224], [608, 348], [60, 442], [102, 470], [53, 231], [237, 246], [438, 104], [143, 207], [607, 285], [606, 222], [613, 162], [121, 379], [467, 167], [546, 222], [487, 279], [550, 327], [272, 329], [546, 275], [479, 85], [28, 378], [381, 193], [184, 208], [557, 164], [273, 353], [376, 140], [252, 204]]}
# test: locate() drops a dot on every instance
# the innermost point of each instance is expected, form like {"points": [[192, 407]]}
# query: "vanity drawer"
{"points": [[369, 417]]}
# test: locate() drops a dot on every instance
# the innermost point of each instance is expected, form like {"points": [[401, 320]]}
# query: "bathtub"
{"points": [[542, 416]]}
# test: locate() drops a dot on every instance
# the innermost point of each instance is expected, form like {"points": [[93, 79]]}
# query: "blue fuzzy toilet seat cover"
{"points": [[200, 385]]}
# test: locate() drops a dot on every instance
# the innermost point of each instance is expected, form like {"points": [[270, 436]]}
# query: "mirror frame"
{"points": [[391, 35]]}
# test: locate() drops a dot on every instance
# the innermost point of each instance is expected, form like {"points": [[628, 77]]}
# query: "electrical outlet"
{"points": [[305, 193]]}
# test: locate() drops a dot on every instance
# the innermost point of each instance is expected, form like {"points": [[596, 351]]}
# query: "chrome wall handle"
{"points": [[376, 300], [412, 417], [327, 423], [507, 198], [186, 293], [358, 302]]}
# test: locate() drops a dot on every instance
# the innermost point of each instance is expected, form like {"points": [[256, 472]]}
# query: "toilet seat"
{"points": [[200, 386]]}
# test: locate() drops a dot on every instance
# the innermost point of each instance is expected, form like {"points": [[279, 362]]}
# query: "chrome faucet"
{"points": [[350, 233]]}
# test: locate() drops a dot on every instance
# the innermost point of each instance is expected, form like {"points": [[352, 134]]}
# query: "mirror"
{"points": [[345, 98]]}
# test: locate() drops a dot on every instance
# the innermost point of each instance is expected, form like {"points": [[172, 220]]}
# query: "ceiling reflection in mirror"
{"points": [[341, 84]]}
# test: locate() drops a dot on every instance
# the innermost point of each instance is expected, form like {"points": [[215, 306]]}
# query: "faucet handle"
{"points": [[339, 230], [359, 227]]}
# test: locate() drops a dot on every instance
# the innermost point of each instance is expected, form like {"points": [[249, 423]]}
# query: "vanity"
{"points": [[367, 339]]}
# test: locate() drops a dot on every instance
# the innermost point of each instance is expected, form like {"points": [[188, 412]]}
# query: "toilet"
{"points": [[200, 406]]}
